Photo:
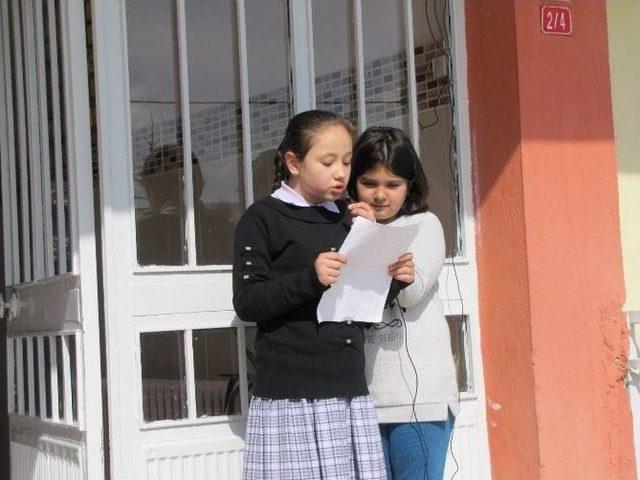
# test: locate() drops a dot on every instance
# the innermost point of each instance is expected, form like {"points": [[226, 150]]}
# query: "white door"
{"points": [[193, 97], [53, 358]]}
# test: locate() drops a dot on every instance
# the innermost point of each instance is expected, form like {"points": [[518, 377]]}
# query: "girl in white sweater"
{"points": [[410, 368]]}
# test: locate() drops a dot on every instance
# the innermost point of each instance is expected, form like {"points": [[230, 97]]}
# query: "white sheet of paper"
{"points": [[364, 281]]}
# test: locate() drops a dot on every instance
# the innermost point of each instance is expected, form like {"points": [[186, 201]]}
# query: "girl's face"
{"points": [[384, 191], [324, 172]]}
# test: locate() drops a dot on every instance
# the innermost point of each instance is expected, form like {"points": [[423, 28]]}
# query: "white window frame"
{"points": [[304, 98], [186, 324]]}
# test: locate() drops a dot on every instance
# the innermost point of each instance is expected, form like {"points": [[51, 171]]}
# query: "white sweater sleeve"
{"points": [[428, 250]]}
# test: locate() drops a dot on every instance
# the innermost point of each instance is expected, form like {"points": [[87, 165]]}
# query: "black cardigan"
{"points": [[275, 286]]}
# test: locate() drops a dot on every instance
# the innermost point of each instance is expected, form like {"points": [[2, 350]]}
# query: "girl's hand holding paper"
{"points": [[360, 291]]}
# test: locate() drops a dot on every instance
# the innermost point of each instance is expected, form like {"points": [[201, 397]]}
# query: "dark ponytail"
{"points": [[299, 135], [282, 172]]}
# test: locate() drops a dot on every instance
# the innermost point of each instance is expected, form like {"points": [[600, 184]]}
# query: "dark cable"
{"points": [[444, 28], [445, 50], [393, 323], [424, 445], [453, 456], [415, 426]]}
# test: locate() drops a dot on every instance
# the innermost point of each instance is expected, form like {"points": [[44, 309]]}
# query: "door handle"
{"points": [[10, 308]]}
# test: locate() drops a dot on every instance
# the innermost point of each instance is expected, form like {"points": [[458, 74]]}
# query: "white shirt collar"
{"points": [[289, 195]]}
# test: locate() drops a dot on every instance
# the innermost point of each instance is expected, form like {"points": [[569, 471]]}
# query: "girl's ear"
{"points": [[291, 161]]}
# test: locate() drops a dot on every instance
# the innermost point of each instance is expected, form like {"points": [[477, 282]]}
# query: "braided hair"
{"points": [[299, 135]]}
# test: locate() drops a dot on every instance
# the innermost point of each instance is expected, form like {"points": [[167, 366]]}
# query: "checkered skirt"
{"points": [[336, 438]]}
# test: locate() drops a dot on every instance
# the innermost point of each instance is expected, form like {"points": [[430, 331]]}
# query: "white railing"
{"points": [[43, 377]]}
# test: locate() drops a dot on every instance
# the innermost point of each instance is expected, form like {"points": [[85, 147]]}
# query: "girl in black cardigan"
{"points": [[310, 414]]}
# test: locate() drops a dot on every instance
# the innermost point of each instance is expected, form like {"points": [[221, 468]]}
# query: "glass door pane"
{"points": [[269, 85], [216, 372], [435, 115], [334, 57], [216, 126], [383, 32], [164, 389], [156, 132]]}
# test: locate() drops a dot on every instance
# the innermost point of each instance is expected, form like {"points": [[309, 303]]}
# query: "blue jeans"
{"points": [[415, 451]]}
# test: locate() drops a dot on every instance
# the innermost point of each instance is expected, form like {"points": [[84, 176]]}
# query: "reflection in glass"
{"points": [[269, 85], [164, 393], [433, 84], [385, 63], [250, 342], [215, 359], [156, 132], [160, 221], [459, 348], [216, 126], [440, 167], [334, 57]]}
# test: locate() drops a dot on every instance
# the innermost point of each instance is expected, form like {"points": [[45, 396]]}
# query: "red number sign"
{"points": [[555, 20]]}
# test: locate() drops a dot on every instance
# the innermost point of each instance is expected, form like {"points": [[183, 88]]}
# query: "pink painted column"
{"points": [[548, 244]]}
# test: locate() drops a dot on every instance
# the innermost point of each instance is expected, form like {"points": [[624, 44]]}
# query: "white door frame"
{"points": [[111, 82], [141, 300], [458, 280]]}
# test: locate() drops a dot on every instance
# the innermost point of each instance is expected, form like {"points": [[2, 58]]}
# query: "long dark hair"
{"points": [[298, 136], [390, 148]]}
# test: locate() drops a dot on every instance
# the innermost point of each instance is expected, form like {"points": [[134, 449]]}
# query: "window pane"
{"points": [[14, 388], [216, 126], [21, 138], [250, 341], [60, 373], [54, 69], [384, 62], [156, 132], [25, 374], [215, 359], [269, 85], [74, 380], [460, 349], [334, 57], [435, 115], [164, 391], [36, 376], [47, 373]]}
